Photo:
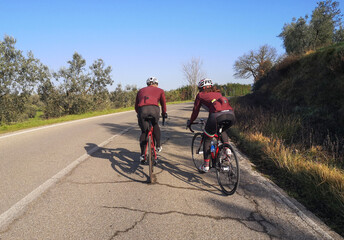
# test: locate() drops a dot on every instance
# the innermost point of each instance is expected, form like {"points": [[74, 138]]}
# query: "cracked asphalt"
{"points": [[107, 197]]}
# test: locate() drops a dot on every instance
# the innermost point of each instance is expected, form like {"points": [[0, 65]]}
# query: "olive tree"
{"points": [[19, 75], [323, 29]]}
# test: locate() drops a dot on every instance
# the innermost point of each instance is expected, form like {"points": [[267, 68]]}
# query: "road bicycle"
{"points": [[150, 150], [223, 157]]}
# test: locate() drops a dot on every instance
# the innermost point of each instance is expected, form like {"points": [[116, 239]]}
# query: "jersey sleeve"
{"points": [[137, 102], [163, 102], [196, 108]]}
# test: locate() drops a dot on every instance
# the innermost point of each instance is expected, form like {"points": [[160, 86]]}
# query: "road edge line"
{"points": [[13, 212]]}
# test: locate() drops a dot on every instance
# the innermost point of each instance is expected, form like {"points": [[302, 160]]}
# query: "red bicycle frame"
{"points": [[150, 138], [214, 155]]}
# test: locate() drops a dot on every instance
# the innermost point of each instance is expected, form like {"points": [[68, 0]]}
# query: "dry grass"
{"points": [[311, 173]]}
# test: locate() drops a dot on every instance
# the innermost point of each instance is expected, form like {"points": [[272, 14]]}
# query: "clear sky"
{"points": [[141, 38]]}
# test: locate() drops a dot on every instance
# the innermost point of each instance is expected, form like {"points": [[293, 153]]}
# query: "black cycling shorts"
{"points": [[213, 120], [146, 111]]}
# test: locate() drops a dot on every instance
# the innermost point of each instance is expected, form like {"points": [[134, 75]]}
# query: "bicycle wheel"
{"points": [[227, 173], [197, 150], [150, 152]]}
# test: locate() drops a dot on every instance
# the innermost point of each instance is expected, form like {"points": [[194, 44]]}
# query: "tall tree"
{"points": [[296, 36], [339, 35], [193, 73], [255, 64], [325, 18], [19, 76], [100, 77], [323, 29], [74, 78]]}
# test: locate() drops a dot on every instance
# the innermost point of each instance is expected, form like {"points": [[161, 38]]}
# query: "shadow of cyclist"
{"points": [[187, 175], [122, 161]]}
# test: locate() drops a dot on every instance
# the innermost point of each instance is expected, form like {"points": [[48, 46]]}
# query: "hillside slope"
{"points": [[312, 85]]}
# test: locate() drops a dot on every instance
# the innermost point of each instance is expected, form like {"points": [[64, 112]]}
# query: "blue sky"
{"points": [[140, 38]]}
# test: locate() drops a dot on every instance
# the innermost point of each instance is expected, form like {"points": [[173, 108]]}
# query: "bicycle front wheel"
{"points": [[227, 169], [197, 150]]}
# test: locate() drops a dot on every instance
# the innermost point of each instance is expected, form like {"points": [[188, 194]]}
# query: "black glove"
{"points": [[188, 124], [164, 115]]}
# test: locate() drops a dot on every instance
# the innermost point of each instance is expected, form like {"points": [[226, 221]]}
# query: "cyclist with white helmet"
{"points": [[210, 98], [147, 104]]}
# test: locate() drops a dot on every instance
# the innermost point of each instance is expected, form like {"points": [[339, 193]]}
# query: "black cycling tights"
{"points": [[143, 113], [207, 142], [211, 129]]}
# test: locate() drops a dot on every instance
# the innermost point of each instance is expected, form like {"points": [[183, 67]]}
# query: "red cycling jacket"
{"points": [[150, 96], [207, 100]]}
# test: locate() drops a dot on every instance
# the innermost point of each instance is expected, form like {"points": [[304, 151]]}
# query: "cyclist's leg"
{"points": [[206, 153], [209, 131], [156, 133], [144, 125], [155, 111]]}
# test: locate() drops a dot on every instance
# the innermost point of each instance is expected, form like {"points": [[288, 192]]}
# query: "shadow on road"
{"points": [[188, 174], [126, 163], [122, 161]]}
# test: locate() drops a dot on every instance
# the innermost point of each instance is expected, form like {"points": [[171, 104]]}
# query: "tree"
{"points": [[80, 91], [19, 76], [100, 77], [74, 78], [325, 18], [124, 98], [324, 28], [193, 74], [296, 36], [339, 35], [75, 81], [255, 64]]}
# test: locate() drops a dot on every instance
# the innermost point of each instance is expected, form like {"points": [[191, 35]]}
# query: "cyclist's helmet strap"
{"points": [[205, 83]]}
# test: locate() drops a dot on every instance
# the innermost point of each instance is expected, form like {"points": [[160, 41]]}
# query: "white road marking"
{"points": [[13, 212]]}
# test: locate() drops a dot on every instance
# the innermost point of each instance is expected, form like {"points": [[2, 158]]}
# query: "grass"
{"points": [[38, 121], [308, 173]]}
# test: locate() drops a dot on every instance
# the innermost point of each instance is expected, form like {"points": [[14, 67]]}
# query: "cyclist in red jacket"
{"points": [[210, 98], [147, 104]]}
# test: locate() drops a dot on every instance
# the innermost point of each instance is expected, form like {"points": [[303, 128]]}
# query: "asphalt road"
{"points": [[83, 180]]}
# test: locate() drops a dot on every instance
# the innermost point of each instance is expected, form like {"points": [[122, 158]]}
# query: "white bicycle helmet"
{"points": [[205, 82], [152, 80]]}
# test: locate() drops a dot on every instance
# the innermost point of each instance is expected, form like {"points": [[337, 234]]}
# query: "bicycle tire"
{"points": [[150, 152], [228, 179], [197, 150]]}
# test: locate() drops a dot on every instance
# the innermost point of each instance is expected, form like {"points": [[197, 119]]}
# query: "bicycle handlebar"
{"points": [[201, 121]]}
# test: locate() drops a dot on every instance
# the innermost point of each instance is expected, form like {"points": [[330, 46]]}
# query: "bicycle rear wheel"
{"points": [[197, 150], [228, 174], [150, 155]]}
